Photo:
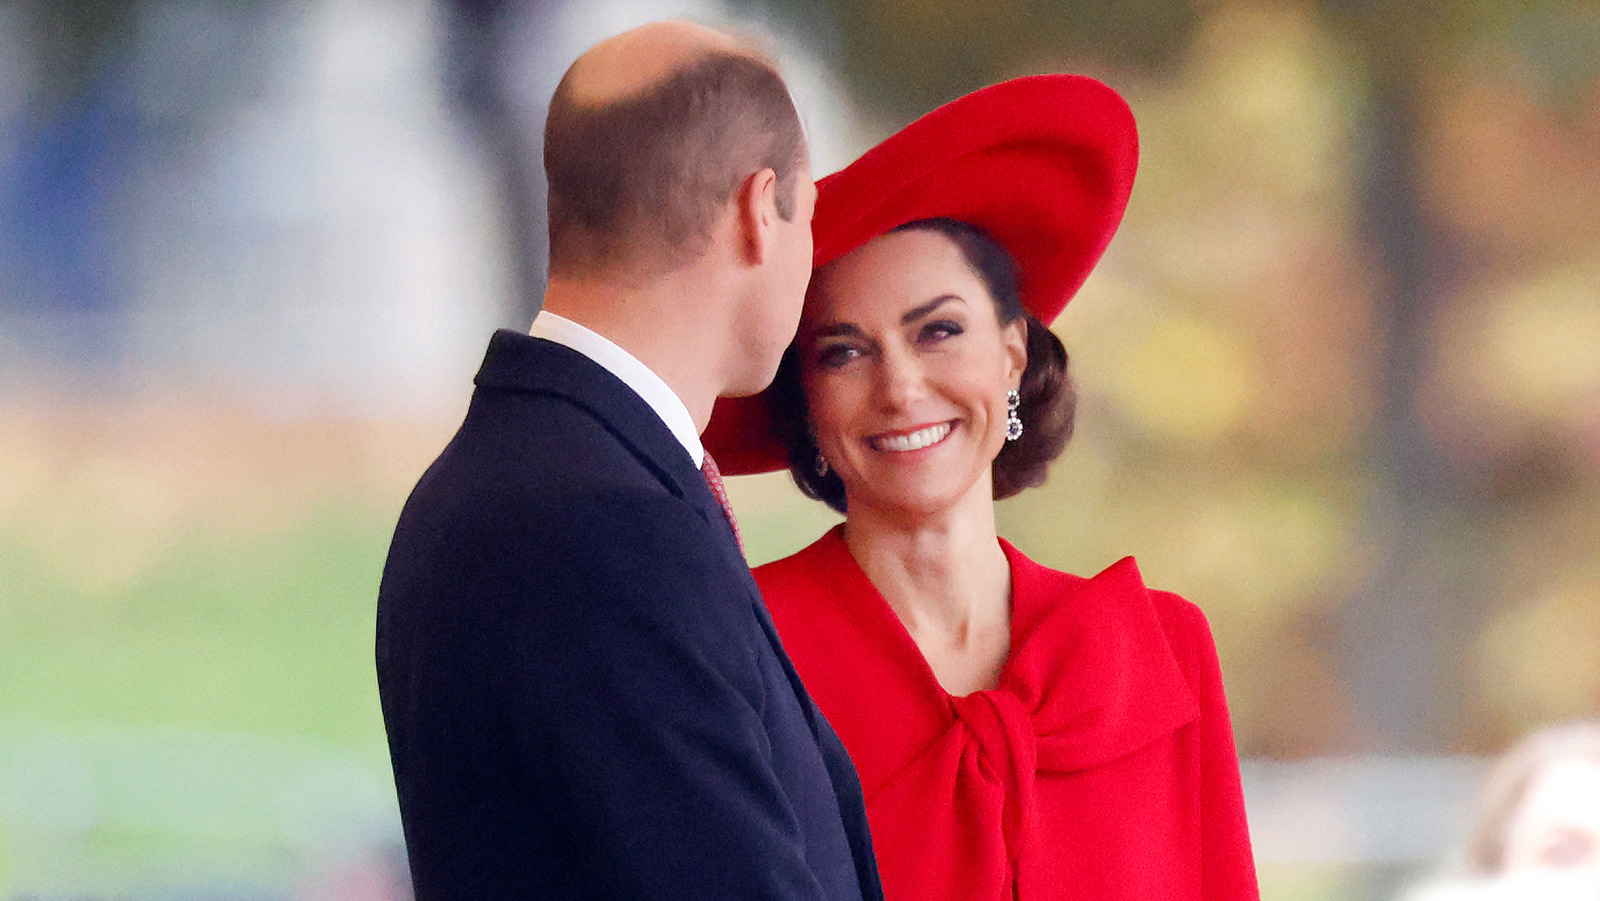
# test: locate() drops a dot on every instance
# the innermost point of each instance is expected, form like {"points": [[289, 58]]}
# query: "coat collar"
{"points": [[520, 363], [1091, 676], [1091, 663]]}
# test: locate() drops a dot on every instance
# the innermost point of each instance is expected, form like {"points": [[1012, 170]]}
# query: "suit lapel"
{"points": [[521, 363]]}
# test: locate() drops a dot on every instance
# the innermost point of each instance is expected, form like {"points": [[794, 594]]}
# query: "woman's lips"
{"points": [[915, 439]]}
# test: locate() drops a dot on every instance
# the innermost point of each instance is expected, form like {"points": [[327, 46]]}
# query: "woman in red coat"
{"points": [[1019, 732]]}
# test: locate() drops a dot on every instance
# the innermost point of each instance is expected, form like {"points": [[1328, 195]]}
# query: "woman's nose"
{"points": [[900, 378]]}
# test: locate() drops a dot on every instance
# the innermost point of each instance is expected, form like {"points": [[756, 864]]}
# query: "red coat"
{"points": [[1102, 767]]}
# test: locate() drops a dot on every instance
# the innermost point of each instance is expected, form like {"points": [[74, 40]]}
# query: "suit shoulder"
{"points": [[516, 455], [535, 433]]}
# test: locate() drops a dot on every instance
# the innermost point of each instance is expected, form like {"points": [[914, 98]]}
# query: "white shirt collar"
{"points": [[625, 366]]}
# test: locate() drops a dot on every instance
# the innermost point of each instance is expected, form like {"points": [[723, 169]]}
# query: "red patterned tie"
{"points": [[714, 482]]}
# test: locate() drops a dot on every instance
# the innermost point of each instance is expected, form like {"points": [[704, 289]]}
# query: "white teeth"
{"points": [[917, 440]]}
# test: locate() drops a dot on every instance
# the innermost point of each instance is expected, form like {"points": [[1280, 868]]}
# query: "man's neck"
{"points": [[648, 323]]}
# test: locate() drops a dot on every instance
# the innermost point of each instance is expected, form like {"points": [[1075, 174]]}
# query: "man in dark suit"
{"points": [[583, 693]]}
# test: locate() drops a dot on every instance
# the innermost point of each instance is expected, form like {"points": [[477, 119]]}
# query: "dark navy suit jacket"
{"points": [[584, 695]]}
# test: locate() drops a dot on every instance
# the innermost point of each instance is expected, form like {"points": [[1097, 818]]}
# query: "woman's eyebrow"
{"points": [[838, 330], [851, 330], [918, 312]]}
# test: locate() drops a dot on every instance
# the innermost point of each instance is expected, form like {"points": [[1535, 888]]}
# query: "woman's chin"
{"points": [[911, 500]]}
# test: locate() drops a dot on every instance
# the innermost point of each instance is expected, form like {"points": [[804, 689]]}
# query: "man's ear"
{"points": [[756, 210]]}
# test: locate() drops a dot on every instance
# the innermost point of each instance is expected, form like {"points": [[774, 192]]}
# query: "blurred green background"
{"points": [[1340, 374]]}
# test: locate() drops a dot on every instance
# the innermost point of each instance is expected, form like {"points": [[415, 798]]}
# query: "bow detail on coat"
{"points": [[1090, 680], [1000, 750]]}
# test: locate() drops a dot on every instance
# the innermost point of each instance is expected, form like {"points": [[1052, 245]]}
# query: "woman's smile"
{"points": [[912, 439]]}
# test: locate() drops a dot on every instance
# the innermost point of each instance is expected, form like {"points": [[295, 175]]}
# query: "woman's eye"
{"points": [[833, 356], [944, 328]]}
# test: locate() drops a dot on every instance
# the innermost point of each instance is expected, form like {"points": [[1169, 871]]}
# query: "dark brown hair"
{"points": [[641, 181], [1048, 397]]}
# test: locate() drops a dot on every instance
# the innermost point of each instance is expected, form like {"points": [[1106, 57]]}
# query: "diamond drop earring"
{"points": [[1013, 421]]}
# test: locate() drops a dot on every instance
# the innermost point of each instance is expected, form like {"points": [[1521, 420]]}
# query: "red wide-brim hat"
{"points": [[1043, 165]]}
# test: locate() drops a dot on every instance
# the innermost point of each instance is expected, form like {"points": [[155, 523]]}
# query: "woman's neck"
{"points": [[947, 579]]}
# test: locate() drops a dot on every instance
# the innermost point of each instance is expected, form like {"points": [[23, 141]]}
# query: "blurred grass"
{"points": [[212, 722], [1308, 883], [265, 633]]}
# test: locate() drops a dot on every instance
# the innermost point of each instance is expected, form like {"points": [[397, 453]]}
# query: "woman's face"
{"points": [[905, 367]]}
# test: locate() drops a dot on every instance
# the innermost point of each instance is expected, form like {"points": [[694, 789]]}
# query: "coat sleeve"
{"points": [[1227, 863], [639, 691]]}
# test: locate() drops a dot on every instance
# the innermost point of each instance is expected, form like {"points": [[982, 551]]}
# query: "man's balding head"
{"points": [[649, 135], [639, 59]]}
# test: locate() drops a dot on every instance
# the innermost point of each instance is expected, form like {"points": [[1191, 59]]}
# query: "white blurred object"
{"points": [[1557, 825], [321, 240], [1536, 832], [1358, 811]]}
